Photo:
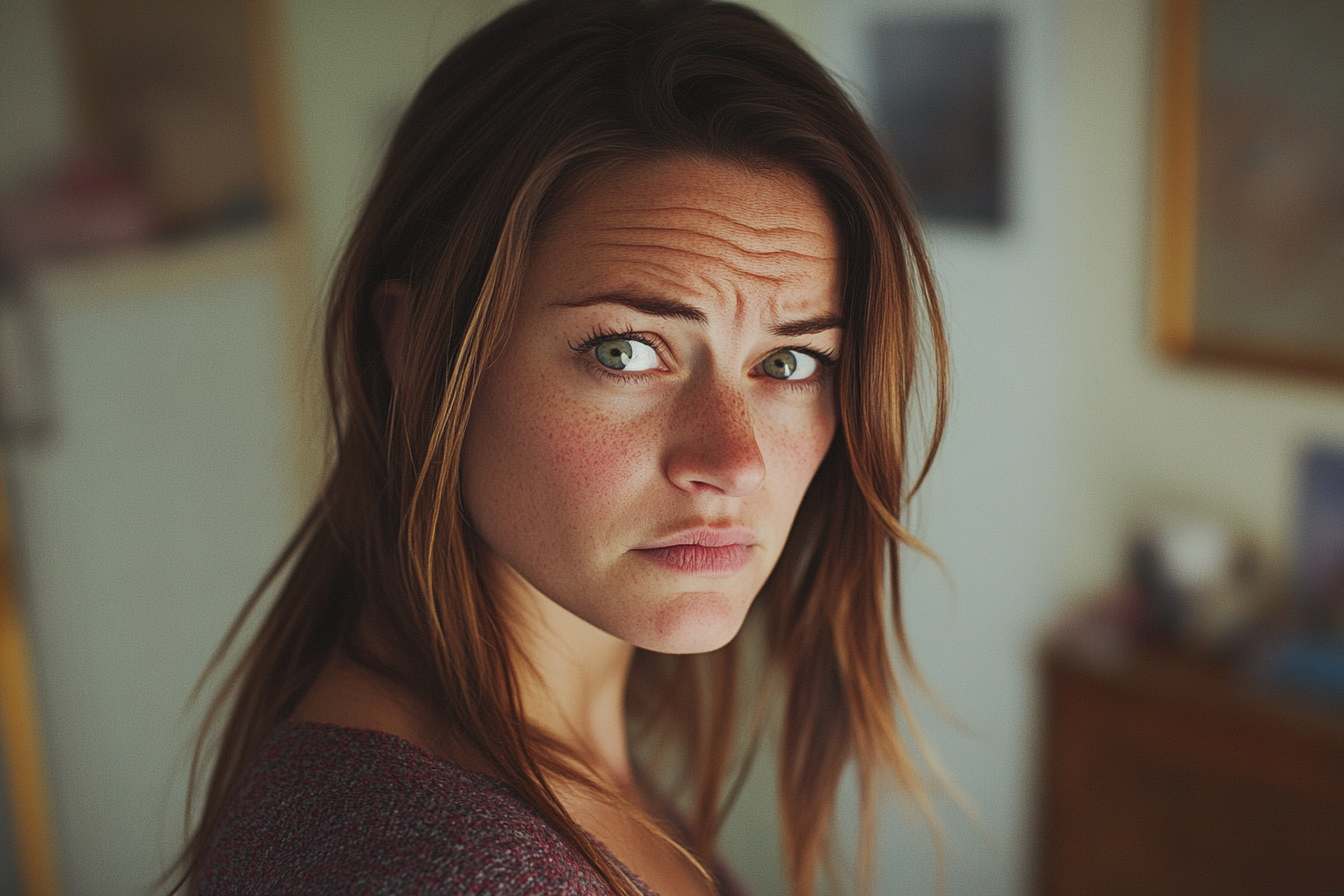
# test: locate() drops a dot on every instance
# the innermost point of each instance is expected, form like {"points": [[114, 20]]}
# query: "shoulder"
{"points": [[330, 809]]}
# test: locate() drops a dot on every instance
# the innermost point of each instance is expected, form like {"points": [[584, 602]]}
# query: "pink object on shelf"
{"points": [[90, 203]]}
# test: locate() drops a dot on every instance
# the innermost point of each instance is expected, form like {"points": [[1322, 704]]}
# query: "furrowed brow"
{"points": [[809, 326], [643, 304]]}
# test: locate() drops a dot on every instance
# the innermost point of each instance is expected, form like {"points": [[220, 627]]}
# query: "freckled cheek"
{"points": [[794, 448], [594, 459]]}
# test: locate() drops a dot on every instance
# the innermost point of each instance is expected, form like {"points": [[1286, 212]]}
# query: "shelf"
{"points": [[158, 268]]}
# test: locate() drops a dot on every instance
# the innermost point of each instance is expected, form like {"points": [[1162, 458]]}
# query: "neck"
{"points": [[572, 677]]}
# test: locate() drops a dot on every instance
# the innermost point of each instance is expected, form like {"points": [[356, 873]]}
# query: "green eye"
{"points": [[787, 364], [626, 354]]}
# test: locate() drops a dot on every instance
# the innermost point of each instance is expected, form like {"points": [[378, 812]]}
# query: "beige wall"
{"points": [[34, 95], [353, 65]]}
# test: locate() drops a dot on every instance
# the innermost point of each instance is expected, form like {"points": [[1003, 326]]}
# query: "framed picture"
{"points": [[183, 94], [938, 91], [1249, 165]]}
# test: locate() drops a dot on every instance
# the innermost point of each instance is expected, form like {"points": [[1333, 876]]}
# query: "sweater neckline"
{"points": [[404, 745]]}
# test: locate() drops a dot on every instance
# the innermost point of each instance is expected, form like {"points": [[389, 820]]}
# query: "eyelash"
{"points": [[597, 336]]}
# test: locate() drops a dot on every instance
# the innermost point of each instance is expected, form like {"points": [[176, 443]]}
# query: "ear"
{"points": [[391, 303]]}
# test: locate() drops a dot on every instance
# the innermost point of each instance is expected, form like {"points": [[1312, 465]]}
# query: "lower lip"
{"points": [[699, 559]]}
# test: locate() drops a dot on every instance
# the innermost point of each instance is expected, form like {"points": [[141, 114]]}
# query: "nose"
{"points": [[714, 448]]}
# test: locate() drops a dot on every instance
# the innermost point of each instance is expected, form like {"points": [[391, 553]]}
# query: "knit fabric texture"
{"points": [[333, 810]]}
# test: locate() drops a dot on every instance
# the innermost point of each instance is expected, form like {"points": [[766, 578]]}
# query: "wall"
{"points": [[33, 91], [991, 507], [142, 525], [352, 67]]}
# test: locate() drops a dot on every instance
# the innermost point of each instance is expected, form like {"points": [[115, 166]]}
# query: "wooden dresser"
{"points": [[1165, 772]]}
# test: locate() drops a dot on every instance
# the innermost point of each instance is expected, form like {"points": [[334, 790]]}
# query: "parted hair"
{"points": [[513, 119]]}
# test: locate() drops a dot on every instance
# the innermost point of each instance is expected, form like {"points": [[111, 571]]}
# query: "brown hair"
{"points": [[550, 90]]}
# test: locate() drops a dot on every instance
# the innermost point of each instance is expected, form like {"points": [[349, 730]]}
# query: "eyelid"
{"points": [[824, 358], [599, 335]]}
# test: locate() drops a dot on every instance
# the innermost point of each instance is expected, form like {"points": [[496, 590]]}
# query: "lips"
{"points": [[702, 551]]}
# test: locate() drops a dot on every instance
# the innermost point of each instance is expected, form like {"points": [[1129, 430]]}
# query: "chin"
{"points": [[694, 623]]}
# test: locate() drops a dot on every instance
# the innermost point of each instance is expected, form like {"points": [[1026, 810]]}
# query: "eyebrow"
{"points": [[670, 308], [809, 325], [644, 304]]}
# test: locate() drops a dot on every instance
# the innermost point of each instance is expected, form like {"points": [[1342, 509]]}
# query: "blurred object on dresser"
{"points": [[1195, 577], [1304, 649], [1318, 576]]}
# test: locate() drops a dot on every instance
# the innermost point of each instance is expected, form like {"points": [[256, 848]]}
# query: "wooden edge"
{"points": [[272, 106], [91, 125], [27, 775], [1327, 369], [1045, 821], [276, 124], [1175, 168]]}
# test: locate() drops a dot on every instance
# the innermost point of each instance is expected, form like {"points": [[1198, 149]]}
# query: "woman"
{"points": [[624, 342]]}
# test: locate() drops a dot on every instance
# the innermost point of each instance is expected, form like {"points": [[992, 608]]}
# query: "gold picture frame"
{"points": [[1249, 184]]}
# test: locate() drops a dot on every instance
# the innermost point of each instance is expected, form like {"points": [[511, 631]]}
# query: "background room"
{"points": [[1143, 490]]}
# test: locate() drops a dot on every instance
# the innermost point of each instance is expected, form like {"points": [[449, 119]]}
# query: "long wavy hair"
{"points": [[516, 116]]}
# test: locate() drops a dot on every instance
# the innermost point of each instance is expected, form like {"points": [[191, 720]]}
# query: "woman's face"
{"points": [[639, 450]]}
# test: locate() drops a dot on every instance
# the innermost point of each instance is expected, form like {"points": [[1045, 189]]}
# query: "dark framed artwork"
{"points": [[938, 98], [1249, 199]]}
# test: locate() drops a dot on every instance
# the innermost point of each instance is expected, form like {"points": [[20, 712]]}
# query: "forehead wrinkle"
{"points": [[779, 313], [735, 223], [668, 274], [756, 235], [794, 262], [678, 250], [700, 235]]}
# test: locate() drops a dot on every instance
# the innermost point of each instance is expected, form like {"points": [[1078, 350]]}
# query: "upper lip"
{"points": [[704, 536]]}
